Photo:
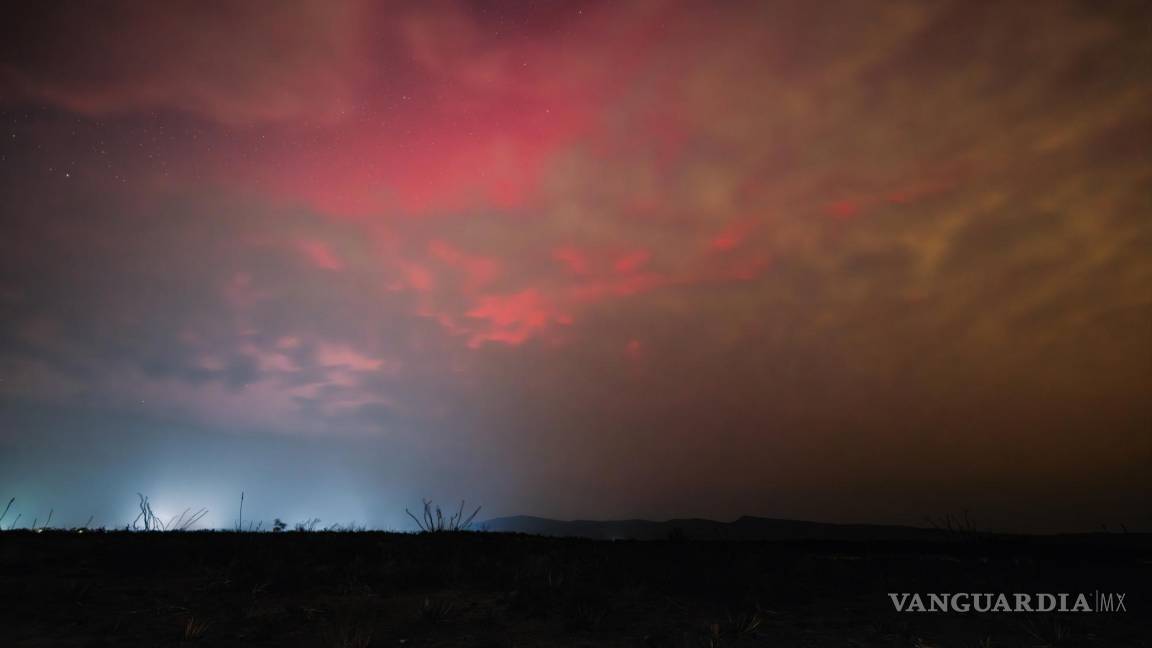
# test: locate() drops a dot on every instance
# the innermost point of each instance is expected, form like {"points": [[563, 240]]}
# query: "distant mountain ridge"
{"points": [[744, 528]]}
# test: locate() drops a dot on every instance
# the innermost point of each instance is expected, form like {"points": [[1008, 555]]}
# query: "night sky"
{"points": [[841, 261]]}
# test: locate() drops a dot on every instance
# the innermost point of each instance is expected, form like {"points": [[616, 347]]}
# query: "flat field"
{"points": [[359, 589]]}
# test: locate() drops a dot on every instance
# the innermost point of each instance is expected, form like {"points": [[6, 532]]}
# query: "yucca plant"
{"points": [[433, 519], [5, 513]]}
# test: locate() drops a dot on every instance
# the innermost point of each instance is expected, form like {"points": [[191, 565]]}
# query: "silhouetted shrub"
{"points": [[433, 519]]}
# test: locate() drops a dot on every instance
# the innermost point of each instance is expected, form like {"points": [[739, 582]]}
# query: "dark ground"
{"points": [[61, 588]]}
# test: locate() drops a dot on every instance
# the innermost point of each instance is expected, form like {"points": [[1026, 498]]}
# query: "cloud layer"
{"points": [[847, 261]]}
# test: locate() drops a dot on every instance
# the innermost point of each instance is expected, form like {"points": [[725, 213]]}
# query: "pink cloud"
{"points": [[345, 357], [731, 237], [320, 255], [418, 277], [843, 209], [478, 270], [239, 65], [575, 260], [513, 318], [632, 261]]}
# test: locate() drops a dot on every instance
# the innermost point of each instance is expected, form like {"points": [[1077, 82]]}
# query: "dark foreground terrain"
{"points": [[61, 588]]}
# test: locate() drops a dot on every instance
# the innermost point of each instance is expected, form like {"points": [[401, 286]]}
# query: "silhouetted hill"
{"points": [[744, 528]]}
